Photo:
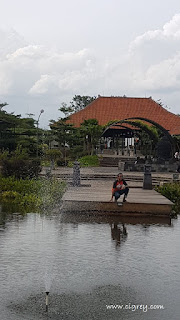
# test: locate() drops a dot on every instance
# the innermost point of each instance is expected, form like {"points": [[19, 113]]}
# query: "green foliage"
{"points": [[4, 155], [176, 142], [53, 154], [2, 105], [79, 141], [45, 163], [20, 168], [17, 131], [63, 132], [30, 195], [60, 162], [172, 192], [149, 134], [109, 123], [20, 153], [91, 132], [77, 151], [70, 164], [80, 102], [89, 161], [65, 109]]}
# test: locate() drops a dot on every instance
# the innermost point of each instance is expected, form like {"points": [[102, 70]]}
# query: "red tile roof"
{"points": [[105, 109]]}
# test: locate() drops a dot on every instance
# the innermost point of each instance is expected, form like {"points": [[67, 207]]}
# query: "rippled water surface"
{"points": [[88, 263]]}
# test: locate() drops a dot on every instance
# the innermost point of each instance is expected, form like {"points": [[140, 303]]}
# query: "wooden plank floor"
{"points": [[97, 197]]}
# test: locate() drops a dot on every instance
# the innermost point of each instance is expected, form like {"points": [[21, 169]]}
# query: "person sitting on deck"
{"points": [[119, 187]]}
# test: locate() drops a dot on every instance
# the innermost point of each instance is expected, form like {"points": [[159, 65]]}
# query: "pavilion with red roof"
{"points": [[106, 109]]}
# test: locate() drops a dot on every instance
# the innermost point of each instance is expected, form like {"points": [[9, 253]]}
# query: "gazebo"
{"points": [[120, 111]]}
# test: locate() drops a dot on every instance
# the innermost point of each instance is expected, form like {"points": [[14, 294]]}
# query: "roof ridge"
{"points": [[123, 97], [105, 109]]}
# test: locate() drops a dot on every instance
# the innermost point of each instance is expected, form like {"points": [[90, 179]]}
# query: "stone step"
{"points": [[100, 177]]}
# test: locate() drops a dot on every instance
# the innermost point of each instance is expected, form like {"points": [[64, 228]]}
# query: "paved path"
{"points": [[109, 173]]}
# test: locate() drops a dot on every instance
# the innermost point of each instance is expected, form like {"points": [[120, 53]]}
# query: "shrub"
{"points": [[60, 162], [20, 168], [172, 192], [89, 161], [70, 164], [45, 163], [27, 195], [4, 155], [53, 154], [20, 153]]}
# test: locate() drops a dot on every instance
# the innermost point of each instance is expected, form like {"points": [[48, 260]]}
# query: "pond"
{"points": [[95, 267]]}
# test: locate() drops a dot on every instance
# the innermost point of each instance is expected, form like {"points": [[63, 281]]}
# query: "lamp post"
{"points": [[41, 111]]}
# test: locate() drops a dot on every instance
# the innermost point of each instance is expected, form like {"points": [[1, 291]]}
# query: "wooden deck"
{"points": [[97, 198]]}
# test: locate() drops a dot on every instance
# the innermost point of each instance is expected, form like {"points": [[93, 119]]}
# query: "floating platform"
{"points": [[97, 196]]}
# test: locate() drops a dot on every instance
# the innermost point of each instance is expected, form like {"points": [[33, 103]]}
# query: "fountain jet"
{"points": [[47, 300]]}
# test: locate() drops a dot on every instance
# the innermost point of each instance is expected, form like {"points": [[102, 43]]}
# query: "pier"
{"points": [[96, 197]]}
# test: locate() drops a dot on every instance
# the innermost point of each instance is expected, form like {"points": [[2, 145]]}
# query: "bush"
{"points": [[25, 195], [4, 155], [20, 168], [89, 161], [45, 163], [60, 163], [172, 192], [70, 164]]}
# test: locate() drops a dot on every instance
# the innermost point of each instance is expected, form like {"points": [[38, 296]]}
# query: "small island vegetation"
{"points": [[172, 192]]}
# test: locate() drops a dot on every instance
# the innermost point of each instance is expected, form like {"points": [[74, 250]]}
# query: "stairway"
{"points": [[113, 161]]}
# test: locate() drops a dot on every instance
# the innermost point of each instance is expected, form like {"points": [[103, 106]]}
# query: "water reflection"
{"points": [[89, 261], [5, 218], [118, 233], [118, 224], [145, 221]]}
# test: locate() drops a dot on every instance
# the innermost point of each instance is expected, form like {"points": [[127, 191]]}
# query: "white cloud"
{"points": [[10, 41], [43, 84], [35, 72], [155, 58], [163, 76], [172, 28], [65, 72], [28, 52], [170, 31]]}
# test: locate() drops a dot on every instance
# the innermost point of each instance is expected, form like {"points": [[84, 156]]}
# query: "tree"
{"points": [[26, 135], [91, 131], [78, 103], [81, 140], [15, 131], [2, 105], [63, 133], [8, 123], [65, 109], [53, 155]]}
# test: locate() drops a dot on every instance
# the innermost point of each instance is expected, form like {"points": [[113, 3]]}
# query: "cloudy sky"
{"points": [[51, 50]]}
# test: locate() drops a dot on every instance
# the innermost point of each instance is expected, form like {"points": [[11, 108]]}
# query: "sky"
{"points": [[52, 50]]}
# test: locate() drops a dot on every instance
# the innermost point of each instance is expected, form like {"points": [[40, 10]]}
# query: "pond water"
{"points": [[94, 267]]}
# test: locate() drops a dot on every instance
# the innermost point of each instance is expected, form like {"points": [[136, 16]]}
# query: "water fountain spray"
{"points": [[47, 300]]}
